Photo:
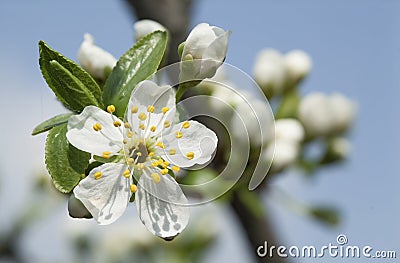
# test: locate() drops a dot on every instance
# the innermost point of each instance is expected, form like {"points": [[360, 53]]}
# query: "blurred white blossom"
{"points": [[94, 59], [269, 71], [145, 27], [298, 64], [326, 114], [285, 149]]}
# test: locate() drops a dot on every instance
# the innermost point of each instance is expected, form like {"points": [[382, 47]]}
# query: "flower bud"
{"points": [[208, 45], [298, 64], [269, 71], [289, 130], [324, 115], [95, 60], [145, 27], [283, 154]]}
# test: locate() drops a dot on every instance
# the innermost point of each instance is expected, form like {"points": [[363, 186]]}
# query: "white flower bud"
{"points": [[94, 59], [285, 154], [298, 64], [208, 44], [289, 130], [324, 115], [145, 27], [343, 112], [269, 71]]}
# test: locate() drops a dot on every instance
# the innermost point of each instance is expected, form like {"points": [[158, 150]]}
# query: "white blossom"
{"points": [[298, 64], [94, 59], [324, 115], [284, 151], [145, 27], [269, 71], [208, 45], [147, 146]]}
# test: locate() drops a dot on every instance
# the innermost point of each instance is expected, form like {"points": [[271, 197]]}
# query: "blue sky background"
{"points": [[355, 50]]}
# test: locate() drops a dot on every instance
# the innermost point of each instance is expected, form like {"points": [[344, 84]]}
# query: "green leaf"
{"points": [[65, 163], [72, 85], [52, 122], [137, 64]]}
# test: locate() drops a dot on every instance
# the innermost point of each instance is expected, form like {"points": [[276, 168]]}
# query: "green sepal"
{"points": [[65, 163], [137, 64], [72, 85], [132, 199], [52, 122]]}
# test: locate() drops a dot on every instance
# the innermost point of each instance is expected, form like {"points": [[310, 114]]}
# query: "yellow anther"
{"points": [[130, 160], [97, 175], [155, 164], [140, 165], [134, 109], [176, 168], [150, 108], [178, 135], [106, 154], [156, 177], [164, 171], [165, 110], [153, 128], [142, 126], [130, 134], [161, 145], [97, 126], [151, 154], [142, 116], [110, 108], [139, 154], [124, 141], [186, 125], [167, 124], [127, 125], [160, 161], [166, 163], [133, 188], [117, 123], [126, 173], [190, 155], [172, 151]]}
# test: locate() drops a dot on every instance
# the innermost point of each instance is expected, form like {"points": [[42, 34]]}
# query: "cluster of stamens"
{"points": [[138, 149]]}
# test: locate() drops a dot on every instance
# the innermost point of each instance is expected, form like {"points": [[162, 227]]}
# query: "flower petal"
{"points": [[147, 93], [162, 206], [82, 135], [196, 139], [105, 198]]}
